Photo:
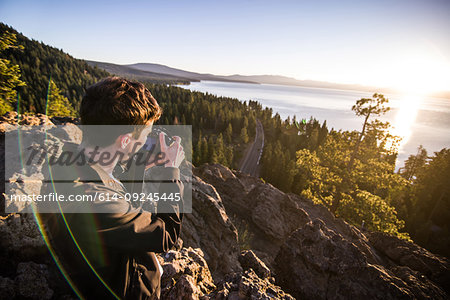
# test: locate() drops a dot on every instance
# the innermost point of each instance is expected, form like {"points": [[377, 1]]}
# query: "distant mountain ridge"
{"points": [[152, 72], [163, 69], [152, 69]]}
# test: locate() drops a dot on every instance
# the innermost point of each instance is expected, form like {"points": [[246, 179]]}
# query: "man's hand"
{"points": [[174, 154]]}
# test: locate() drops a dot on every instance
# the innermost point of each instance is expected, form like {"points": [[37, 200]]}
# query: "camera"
{"points": [[152, 142]]}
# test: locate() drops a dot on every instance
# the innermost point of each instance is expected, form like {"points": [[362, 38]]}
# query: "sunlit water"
{"points": [[419, 120]]}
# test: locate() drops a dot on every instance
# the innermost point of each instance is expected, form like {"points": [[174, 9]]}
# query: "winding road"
{"points": [[251, 163]]}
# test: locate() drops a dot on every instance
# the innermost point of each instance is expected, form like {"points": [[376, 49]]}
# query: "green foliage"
{"points": [[367, 106], [9, 73], [377, 215], [318, 182], [368, 191], [57, 104], [375, 131]]}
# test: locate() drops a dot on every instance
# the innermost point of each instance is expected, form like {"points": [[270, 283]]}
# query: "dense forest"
{"points": [[221, 127], [350, 172]]}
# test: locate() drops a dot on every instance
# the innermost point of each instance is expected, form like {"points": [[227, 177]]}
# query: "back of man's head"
{"points": [[116, 101]]}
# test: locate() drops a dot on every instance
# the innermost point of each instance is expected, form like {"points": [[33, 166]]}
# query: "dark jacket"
{"points": [[113, 252]]}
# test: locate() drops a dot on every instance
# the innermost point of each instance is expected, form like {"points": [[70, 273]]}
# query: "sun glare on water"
{"points": [[405, 118]]}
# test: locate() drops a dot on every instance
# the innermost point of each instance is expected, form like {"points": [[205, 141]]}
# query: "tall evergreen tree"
{"points": [[212, 153], [9, 73], [367, 107], [204, 151], [57, 104], [229, 156], [229, 134], [220, 150], [244, 135]]}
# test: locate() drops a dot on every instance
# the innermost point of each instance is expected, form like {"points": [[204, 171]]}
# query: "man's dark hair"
{"points": [[117, 101]]}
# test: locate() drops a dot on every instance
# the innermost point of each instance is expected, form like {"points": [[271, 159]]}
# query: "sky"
{"points": [[396, 43]]}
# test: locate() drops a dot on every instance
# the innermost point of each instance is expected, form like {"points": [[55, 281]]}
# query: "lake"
{"points": [[419, 120]]}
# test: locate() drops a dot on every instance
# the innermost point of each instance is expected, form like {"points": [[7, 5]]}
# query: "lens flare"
{"points": [[45, 236]]}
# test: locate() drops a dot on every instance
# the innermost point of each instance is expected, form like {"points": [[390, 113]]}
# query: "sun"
{"points": [[420, 69], [422, 73]]}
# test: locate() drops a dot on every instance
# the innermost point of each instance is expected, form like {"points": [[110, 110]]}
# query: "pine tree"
{"points": [[204, 151], [197, 157], [314, 139], [366, 107], [245, 123], [57, 104], [212, 154], [220, 150], [229, 156], [9, 74], [229, 134], [244, 135]]}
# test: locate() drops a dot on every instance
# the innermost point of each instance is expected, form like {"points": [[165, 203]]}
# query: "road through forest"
{"points": [[251, 163]]}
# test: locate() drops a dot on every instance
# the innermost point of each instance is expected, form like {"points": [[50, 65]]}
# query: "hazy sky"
{"points": [[385, 43]]}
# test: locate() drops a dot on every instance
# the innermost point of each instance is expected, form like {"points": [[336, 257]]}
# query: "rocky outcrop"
{"points": [[26, 268], [249, 260], [26, 178], [269, 214], [320, 256], [185, 274], [316, 262], [209, 228], [12, 118], [412, 259]]}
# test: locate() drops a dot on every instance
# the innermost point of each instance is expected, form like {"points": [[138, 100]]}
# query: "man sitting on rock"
{"points": [[106, 247]]}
